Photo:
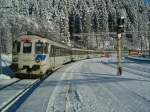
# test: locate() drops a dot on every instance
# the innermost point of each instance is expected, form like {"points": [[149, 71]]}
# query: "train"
{"points": [[135, 52], [34, 56]]}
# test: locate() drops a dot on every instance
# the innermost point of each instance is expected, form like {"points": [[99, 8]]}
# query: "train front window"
{"points": [[16, 47], [41, 47], [27, 47]]}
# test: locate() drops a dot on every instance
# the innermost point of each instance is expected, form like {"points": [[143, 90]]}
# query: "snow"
{"points": [[54, 94], [4, 81], [139, 58], [6, 62], [91, 86], [6, 59], [10, 92], [3, 76], [51, 17]]}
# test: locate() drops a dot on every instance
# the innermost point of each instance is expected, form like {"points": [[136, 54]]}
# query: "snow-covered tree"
{"points": [[56, 18]]}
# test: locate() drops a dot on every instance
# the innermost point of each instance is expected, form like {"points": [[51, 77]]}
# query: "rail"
{"points": [[18, 99], [129, 70], [12, 83]]}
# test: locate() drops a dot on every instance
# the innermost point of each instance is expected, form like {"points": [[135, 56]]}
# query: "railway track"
{"points": [[129, 70], [138, 67], [14, 102], [3, 87]]}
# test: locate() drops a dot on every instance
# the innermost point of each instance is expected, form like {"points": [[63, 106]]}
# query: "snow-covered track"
{"points": [[138, 66], [138, 59], [73, 101], [15, 101], [130, 70], [8, 85]]}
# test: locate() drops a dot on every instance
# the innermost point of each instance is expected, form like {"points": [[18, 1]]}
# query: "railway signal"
{"points": [[120, 30]]}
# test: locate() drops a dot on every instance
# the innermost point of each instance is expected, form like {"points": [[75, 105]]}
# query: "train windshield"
{"points": [[41, 47], [27, 47], [16, 47]]}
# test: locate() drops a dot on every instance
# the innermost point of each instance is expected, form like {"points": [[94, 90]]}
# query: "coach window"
{"points": [[57, 51], [67, 52], [27, 47], [62, 52], [52, 53]]}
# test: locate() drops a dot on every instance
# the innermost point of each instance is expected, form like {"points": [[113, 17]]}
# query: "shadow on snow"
{"points": [[90, 78]]}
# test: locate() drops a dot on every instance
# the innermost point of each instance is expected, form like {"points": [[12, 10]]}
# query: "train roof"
{"points": [[57, 44], [77, 49], [35, 37]]}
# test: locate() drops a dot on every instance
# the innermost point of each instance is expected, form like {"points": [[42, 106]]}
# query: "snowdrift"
{"points": [[6, 61]]}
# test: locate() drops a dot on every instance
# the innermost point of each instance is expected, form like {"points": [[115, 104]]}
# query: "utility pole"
{"points": [[120, 30], [0, 56]]}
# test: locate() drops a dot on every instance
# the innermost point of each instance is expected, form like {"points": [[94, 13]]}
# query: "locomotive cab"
{"points": [[22, 53], [30, 54]]}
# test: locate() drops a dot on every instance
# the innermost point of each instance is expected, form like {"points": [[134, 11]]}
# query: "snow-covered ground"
{"points": [[91, 86], [139, 59], [5, 82], [6, 59], [10, 92], [6, 62], [4, 77]]}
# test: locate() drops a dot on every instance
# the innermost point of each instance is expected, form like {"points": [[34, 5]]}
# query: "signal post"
{"points": [[120, 30]]}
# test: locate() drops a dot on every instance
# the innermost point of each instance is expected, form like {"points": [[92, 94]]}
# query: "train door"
{"points": [[52, 56]]}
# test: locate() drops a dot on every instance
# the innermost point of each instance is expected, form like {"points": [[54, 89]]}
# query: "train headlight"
{"points": [[15, 59], [37, 60]]}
